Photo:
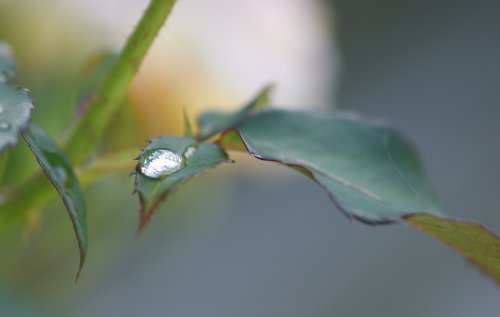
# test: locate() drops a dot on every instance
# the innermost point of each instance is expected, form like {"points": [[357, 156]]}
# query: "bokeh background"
{"points": [[255, 239]]}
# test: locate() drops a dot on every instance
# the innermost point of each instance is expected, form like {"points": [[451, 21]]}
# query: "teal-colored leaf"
{"points": [[212, 123], [59, 171], [15, 113], [369, 170], [7, 66], [15, 103], [166, 164]]}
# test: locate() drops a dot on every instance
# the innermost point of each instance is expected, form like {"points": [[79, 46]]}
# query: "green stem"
{"points": [[114, 89]]}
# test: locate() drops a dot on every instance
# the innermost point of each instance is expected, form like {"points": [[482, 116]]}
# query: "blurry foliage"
{"points": [[368, 170]]}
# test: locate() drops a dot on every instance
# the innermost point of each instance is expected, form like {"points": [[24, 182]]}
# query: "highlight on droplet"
{"points": [[156, 163]]}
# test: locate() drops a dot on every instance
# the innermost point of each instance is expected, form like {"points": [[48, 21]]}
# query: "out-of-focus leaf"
{"points": [[369, 170], [60, 173], [212, 123], [15, 103], [167, 163], [477, 244], [15, 113], [7, 66]]}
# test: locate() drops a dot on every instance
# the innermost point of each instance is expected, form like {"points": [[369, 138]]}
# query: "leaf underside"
{"points": [[59, 171], [152, 191]]}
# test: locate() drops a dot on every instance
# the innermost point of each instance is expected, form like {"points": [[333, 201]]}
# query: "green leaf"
{"points": [[369, 170], [477, 244], [59, 171], [212, 123], [166, 164], [15, 103], [15, 113]]}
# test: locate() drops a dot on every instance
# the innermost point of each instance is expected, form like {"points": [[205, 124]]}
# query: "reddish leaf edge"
{"points": [[446, 223]]}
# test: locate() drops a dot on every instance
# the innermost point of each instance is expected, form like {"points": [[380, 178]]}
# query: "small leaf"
{"points": [[59, 171], [166, 164], [188, 128], [15, 113], [7, 67], [477, 244], [369, 170], [212, 123]]}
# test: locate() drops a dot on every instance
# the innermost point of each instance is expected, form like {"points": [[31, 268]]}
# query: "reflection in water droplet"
{"points": [[159, 162], [4, 125], [189, 152]]}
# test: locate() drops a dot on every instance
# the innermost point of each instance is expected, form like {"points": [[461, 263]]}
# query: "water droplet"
{"points": [[189, 152], [4, 125], [159, 162], [1, 108], [60, 174]]}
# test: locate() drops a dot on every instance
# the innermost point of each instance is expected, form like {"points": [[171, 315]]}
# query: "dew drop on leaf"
{"points": [[156, 163], [60, 174], [189, 152], [4, 125]]}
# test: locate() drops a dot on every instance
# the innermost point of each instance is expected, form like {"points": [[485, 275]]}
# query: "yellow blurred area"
{"points": [[210, 55]]}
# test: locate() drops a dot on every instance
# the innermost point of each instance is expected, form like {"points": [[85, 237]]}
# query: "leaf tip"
{"points": [[188, 127]]}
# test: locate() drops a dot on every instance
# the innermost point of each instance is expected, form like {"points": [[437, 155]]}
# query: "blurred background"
{"points": [[254, 238]]}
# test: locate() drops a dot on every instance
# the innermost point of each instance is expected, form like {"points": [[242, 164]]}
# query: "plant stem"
{"points": [[114, 89]]}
